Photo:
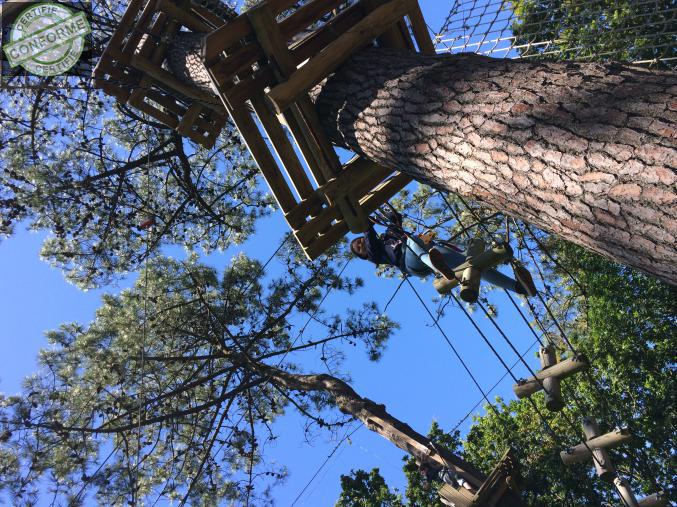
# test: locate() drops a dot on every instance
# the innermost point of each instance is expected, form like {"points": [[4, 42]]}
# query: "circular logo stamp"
{"points": [[47, 39]]}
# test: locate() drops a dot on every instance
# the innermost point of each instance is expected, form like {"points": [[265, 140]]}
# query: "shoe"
{"points": [[438, 262], [525, 283]]}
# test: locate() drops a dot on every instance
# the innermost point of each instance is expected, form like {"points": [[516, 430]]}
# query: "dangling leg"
{"points": [[416, 259], [495, 277]]}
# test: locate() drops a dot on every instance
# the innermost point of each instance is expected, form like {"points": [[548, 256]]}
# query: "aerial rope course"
{"points": [[259, 70]]}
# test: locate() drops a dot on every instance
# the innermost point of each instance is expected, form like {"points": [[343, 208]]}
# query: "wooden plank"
{"points": [[306, 207], [321, 222], [406, 35], [337, 52], [264, 159], [185, 127], [168, 79], [580, 452], [562, 370], [285, 151], [167, 119], [655, 500], [136, 34], [130, 14], [305, 125], [208, 16], [240, 60], [354, 177], [332, 30], [184, 17], [325, 241], [306, 16], [420, 29], [383, 192], [225, 37], [278, 6], [250, 87], [455, 497]]}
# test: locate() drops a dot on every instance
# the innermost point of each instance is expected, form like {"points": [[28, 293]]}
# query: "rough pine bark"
{"points": [[587, 151]]}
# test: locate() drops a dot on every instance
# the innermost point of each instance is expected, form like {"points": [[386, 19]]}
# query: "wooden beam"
{"points": [[225, 37], [264, 159], [183, 16], [420, 29], [655, 500], [285, 151], [332, 30], [488, 259], [625, 491], [303, 122], [580, 452], [306, 15], [455, 497], [561, 370], [551, 385], [337, 52], [603, 467]]}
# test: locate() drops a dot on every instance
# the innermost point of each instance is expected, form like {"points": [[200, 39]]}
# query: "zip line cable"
{"points": [[348, 434], [458, 356]]}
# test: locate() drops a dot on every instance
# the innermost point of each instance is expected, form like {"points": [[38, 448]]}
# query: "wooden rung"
{"points": [[552, 387], [488, 259], [225, 37], [561, 370], [305, 208], [337, 52], [305, 16], [208, 16], [127, 18], [392, 37], [580, 452], [625, 492], [140, 28], [655, 500], [604, 468]]}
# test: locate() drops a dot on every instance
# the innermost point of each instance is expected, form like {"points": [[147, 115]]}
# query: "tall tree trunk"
{"points": [[584, 150]]}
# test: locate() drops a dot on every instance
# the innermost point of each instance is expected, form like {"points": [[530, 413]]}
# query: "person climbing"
{"points": [[415, 258]]}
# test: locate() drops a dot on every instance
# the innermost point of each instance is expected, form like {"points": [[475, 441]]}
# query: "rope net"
{"points": [[637, 31]]}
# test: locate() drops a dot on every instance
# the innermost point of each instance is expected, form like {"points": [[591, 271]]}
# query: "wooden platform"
{"points": [[262, 65], [131, 70], [499, 489]]}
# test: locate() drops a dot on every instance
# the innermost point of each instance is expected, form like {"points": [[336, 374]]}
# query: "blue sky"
{"points": [[418, 379]]}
